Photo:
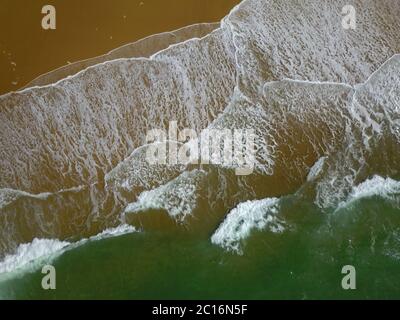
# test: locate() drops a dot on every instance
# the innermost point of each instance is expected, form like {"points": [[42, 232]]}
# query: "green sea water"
{"points": [[305, 262]]}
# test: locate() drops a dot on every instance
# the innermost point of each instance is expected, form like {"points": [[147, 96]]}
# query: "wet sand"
{"points": [[86, 29]]}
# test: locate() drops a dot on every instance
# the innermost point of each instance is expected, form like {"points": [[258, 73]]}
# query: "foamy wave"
{"points": [[29, 256], [31, 252], [8, 196], [248, 216], [316, 169], [135, 173], [377, 186], [114, 232], [178, 197]]}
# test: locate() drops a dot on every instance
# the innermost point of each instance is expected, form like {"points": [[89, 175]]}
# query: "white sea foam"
{"points": [[377, 186], [142, 48], [311, 44], [178, 197], [30, 252], [100, 115], [316, 169], [248, 216], [136, 173], [371, 137], [114, 232], [29, 256], [8, 196]]}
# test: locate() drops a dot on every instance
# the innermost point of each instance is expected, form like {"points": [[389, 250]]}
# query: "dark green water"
{"points": [[303, 263]]}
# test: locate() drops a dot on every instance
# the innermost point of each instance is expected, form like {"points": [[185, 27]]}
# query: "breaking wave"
{"points": [[29, 256], [323, 102], [385, 188], [259, 215]]}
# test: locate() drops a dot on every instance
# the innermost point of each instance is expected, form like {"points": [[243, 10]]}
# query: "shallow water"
{"points": [[304, 263]]}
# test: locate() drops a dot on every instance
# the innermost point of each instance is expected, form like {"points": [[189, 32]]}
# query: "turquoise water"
{"points": [[303, 263]]}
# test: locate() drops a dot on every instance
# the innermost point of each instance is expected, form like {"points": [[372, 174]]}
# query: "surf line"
{"points": [[169, 311]]}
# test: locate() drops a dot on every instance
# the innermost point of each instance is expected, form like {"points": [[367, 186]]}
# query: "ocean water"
{"points": [[323, 103], [303, 263]]}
